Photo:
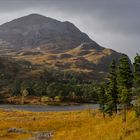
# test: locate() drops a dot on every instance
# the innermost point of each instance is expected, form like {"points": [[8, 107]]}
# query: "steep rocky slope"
{"points": [[51, 43]]}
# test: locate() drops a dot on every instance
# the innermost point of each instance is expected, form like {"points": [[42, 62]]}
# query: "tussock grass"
{"points": [[77, 125]]}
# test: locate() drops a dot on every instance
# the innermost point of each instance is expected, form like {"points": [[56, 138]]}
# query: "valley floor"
{"points": [[76, 125]]}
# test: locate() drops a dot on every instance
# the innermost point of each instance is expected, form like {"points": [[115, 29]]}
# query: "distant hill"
{"points": [[47, 42]]}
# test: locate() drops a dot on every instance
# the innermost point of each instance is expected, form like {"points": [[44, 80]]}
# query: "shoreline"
{"points": [[36, 100]]}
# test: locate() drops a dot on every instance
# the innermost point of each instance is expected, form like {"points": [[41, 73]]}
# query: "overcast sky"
{"points": [[111, 23]]}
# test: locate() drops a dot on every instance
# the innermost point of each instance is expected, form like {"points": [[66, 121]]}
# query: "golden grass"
{"points": [[51, 59], [77, 125]]}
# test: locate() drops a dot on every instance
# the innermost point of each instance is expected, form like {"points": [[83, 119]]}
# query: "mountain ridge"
{"points": [[48, 42]]}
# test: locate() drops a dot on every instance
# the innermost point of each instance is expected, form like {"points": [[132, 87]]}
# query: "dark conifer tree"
{"points": [[125, 82], [16, 87], [137, 70], [137, 83], [112, 92], [102, 98]]}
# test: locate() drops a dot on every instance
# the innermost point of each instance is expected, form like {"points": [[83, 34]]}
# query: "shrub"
{"points": [[45, 99], [57, 99], [137, 108]]}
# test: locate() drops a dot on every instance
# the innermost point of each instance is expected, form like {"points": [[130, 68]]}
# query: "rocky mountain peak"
{"points": [[35, 30]]}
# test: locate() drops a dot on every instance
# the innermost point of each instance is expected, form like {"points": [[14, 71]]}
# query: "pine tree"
{"points": [[137, 69], [125, 75], [102, 98], [16, 87], [124, 99], [125, 82], [137, 83], [112, 92]]}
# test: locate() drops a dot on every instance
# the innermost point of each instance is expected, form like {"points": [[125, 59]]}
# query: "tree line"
{"points": [[122, 87], [54, 83]]}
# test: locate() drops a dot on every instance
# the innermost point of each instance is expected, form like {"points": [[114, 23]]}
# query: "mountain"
{"points": [[47, 42], [35, 30]]}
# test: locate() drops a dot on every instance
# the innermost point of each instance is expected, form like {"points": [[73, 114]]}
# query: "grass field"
{"points": [[77, 125]]}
